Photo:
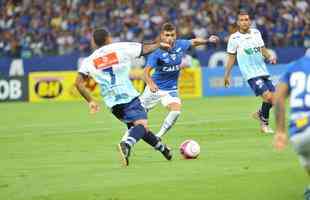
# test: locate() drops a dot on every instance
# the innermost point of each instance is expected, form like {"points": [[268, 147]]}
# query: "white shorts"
{"points": [[149, 99], [301, 144]]}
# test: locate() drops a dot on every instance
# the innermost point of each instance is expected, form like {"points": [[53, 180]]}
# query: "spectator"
{"points": [[44, 27]]}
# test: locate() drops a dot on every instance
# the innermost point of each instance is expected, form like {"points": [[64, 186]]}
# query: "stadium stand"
{"points": [[57, 27]]}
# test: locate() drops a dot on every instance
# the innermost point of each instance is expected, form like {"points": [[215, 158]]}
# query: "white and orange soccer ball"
{"points": [[190, 149]]}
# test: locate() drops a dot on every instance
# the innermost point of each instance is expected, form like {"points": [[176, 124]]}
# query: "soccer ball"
{"points": [[190, 149]]}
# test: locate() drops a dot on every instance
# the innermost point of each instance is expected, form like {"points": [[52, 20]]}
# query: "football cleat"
{"points": [[263, 125], [124, 150], [266, 129], [167, 152]]}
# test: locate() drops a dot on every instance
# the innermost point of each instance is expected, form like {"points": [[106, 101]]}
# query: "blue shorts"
{"points": [[129, 112], [261, 84]]}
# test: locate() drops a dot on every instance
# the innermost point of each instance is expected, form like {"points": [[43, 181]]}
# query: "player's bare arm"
{"points": [[150, 47], [201, 41], [280, 138], [148, 79], [228, 68], [268, 56], [80, 81]]}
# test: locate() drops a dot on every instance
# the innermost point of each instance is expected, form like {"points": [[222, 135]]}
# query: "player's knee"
{"points": [[268, 97], [141, 123], [140, 127], [175, 107]]}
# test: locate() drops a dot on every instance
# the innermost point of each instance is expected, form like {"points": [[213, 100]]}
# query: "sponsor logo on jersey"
{"points": [[106, 61], [171, 68], [251, 51]]}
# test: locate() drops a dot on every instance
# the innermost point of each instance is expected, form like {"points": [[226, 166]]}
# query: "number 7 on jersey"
{"points": [[105, 63]]}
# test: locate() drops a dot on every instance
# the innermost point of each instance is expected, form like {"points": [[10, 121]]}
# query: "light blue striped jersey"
{"points": [[109, 66], [248, 49]]}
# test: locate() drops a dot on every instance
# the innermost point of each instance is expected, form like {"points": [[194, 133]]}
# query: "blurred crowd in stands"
{"points": [[56, 27]]}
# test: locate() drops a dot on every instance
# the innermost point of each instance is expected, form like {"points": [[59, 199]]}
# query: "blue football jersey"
{"points": [[167, 64], [297, 79]]}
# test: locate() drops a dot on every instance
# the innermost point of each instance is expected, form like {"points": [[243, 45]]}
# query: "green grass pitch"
{"points": [[57, 151]]}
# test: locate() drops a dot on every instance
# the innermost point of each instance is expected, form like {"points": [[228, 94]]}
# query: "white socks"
{"points": [[126, 134], [168, 122]]}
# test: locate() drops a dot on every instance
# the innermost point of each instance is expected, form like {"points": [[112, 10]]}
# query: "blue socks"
{"points": [[154, 141], [138, 132], [135, 134]]}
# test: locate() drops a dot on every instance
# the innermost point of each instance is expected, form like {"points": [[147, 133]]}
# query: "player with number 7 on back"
{"points": [[109, 66]]}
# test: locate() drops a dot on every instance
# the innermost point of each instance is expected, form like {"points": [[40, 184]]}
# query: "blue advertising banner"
{"points": [[213, 83], [19, 67], [214, 57]]}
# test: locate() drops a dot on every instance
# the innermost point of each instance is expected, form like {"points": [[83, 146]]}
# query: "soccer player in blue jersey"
{"points": [[248, 46], [162, 86], [109, 66], [295, 83]]}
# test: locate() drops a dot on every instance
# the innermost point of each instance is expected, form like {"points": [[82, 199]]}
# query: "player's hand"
{"points": [[164, 45], [226, 81], [153, 87], [273, 60], [93, 107], [280, 140], [213, 39]]}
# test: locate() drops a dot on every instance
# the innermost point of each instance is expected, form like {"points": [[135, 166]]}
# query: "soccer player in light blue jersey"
{"points": [[248, 46], [109, 66], [295, 83], [162, 86]]}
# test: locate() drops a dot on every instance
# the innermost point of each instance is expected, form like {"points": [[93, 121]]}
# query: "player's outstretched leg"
{"points": [[168, 122], [155, 142], [173, 115], [135, 134]]}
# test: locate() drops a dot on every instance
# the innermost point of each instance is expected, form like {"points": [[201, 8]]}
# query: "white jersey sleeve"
{"points": [[232, 45], [84, 68], [133, 49]]}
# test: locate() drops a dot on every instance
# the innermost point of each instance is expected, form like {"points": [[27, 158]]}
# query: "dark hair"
{"points": [[167, 27], [100, 36], [243, 12]]}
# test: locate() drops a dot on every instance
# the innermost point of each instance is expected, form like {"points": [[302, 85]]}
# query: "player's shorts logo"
{"points": [[259, 83]]}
